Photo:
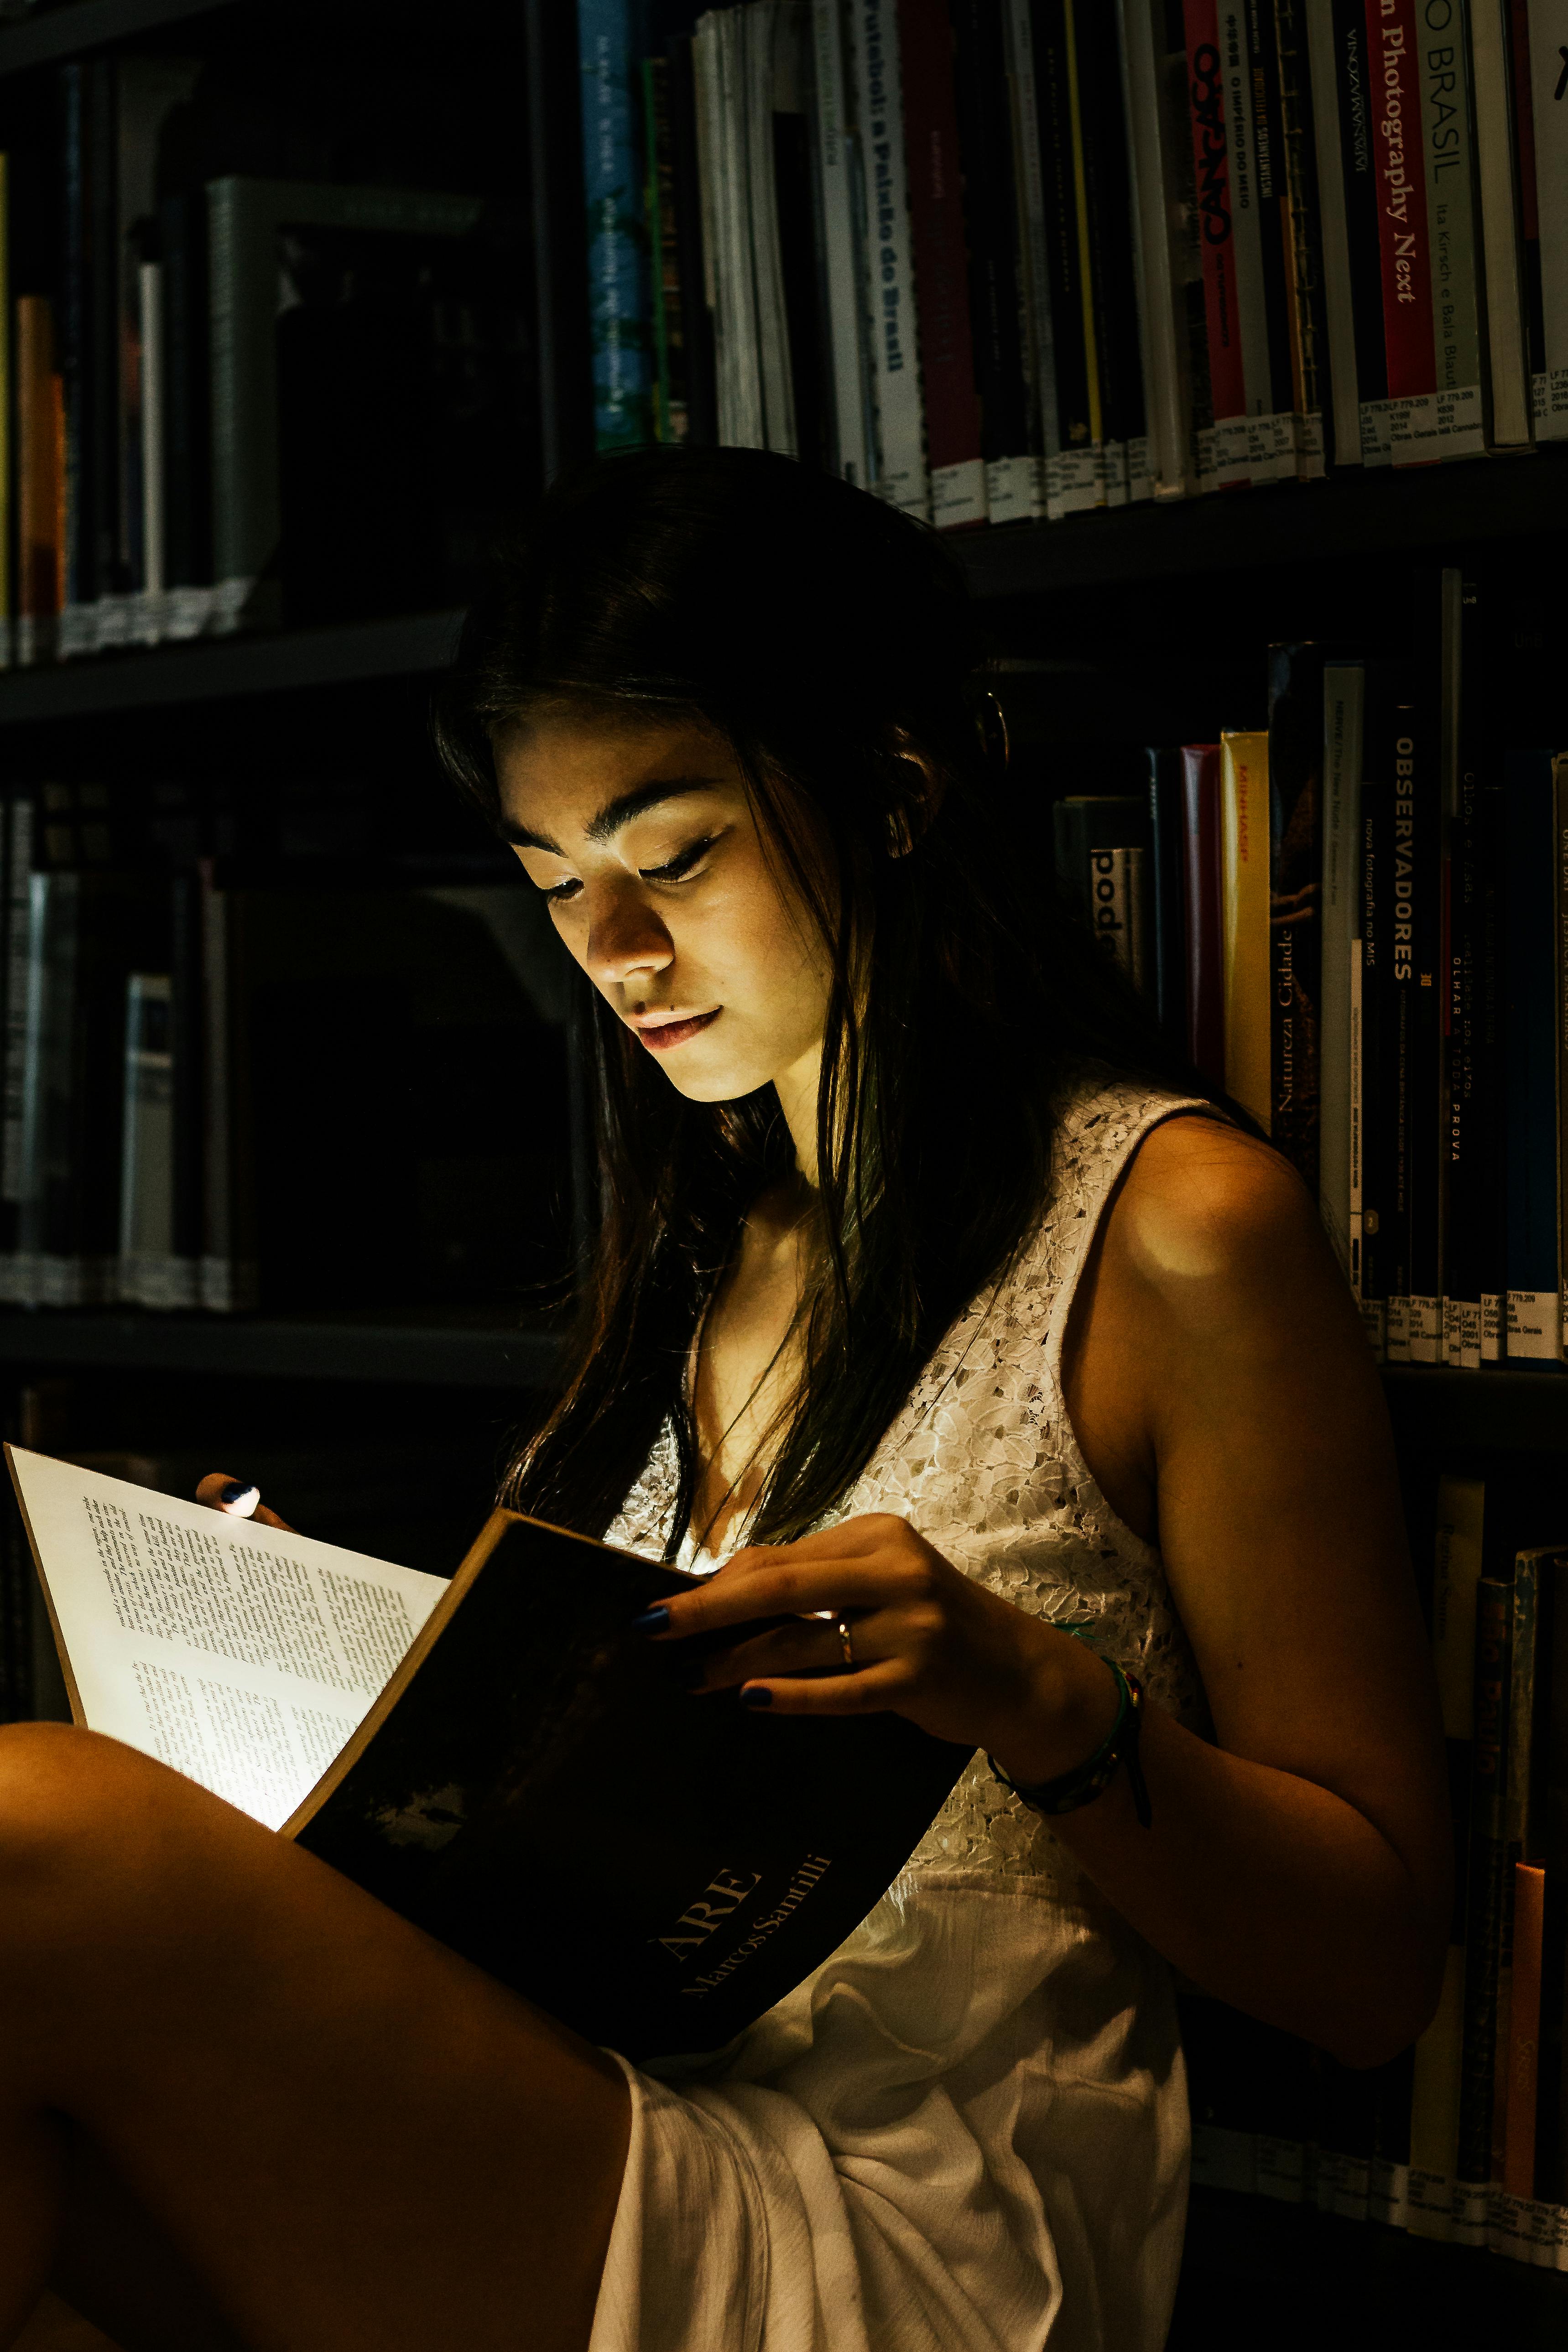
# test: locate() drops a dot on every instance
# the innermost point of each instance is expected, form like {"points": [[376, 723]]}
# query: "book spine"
{"points": [[1404, 238], [1497, 180], [1214, 167], [1244, 801], [1248, 33], [1343, 694], [1075, 462], [1302, 228], [1013, 479], [941, 266], [147, 1146], [1537, 47], [1415, 1303], [901, 478], [18, 959], [841, 200], [76, 383], [728, 288], [1167, 391], [1520, 1810], [1171, 961], [1371, 1213], [1464, 1142], [1362, 149], [1295, 902], [1530, 888], [1333, 228], [685, 196], [7, 405], [1560, 1009], [155, 543], [41, 553], [1206, 910], [188, 447], [102, 448], [242, 403], [1040, 328], [668, 410], [1109, 239], [1484, 1925], [185, 1047], [1551, 2110], [1436, 2085], [618, 259], [219, 1282], [1524, 2029], [1454, 423]]}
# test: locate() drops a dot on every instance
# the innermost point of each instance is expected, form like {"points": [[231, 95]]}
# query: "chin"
{"points": [[705, 1079]]}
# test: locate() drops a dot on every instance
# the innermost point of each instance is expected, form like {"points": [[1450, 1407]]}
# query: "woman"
{"points": [[939, 1317]]}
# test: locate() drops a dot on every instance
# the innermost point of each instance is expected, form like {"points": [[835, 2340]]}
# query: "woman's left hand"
{"points": [[927, 1644]]}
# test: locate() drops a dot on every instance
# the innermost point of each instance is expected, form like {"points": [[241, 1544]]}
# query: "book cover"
{"points": [[1361, 152], [1295, 740], [1104, 850], [1015, 486], [1075, 429], [1251, 36], [941, 266], [1028, 100], [1153, 159], [618, 304], [1339, 1040], [1469, 1205], [1530, 916], [1454, 424], [451, 1745], [1113, 269], [1204, 859], [1402, 751], [1230, 439], [1244, 852]]}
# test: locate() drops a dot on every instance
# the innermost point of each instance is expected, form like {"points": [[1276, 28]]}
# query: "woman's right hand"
{"points": [[237, 1498]]}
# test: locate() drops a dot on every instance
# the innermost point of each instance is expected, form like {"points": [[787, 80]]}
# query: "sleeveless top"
{"points": [[968, 2127]]}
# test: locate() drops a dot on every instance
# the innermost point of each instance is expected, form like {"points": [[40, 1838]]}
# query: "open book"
{"points": [[500, 1760]]}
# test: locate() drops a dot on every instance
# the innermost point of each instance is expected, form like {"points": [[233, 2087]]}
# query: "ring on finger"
{"points": [[845, 1641]]}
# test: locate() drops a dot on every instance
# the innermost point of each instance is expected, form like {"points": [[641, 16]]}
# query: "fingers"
{"points": [[237, 1498], [781, 1583], [798, 1649], [870, 1690]]}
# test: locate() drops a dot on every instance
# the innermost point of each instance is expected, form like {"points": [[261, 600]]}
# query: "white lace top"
{"points": [[980, 2095]]}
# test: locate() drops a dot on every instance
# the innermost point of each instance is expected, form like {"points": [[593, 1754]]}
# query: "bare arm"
{"points": [[1225, 1400]]}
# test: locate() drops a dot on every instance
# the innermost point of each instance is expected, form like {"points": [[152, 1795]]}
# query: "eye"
{"points": [[677, 868], [563, 891]]}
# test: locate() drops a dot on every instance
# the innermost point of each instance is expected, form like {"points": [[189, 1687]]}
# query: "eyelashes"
{"points": [[673, 869]]}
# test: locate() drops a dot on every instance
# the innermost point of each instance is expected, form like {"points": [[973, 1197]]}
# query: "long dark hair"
{"points": [[820, 633]]}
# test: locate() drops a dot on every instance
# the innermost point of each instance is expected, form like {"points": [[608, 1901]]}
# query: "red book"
{"points": [[940, 262], [1204, 925], [1523, 2053], [1400, 170], [1211, 163]]}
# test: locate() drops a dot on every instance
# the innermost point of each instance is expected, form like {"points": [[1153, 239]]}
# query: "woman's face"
{"points": [[642, 839]]}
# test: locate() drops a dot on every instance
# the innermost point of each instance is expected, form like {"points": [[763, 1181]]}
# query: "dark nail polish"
{"points": [[235, 1491], [756, 1696], [652, 1620]]}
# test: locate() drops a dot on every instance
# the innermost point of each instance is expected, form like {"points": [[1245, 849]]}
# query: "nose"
{"points": [[627, 940]]}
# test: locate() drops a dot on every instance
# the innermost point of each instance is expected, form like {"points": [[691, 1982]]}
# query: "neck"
{"points": [[798, 1088]]}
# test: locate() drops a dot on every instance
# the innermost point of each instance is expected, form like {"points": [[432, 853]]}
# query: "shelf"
{"points": [[85, 25], [435, 1355], [1263, 2274], [411, 647], [1519, 1412], [1382, 514]]}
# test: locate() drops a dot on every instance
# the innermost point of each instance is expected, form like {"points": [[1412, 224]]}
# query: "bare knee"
{"points": [[80, 1815]]}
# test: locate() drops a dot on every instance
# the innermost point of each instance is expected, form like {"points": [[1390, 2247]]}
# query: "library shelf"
{"points": [[1384, 513], [1517, 1411], [219, 669], [1256, 2272], [391, 1352], [82, 25]]}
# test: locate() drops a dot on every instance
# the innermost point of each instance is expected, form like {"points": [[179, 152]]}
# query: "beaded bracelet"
{"points": [[1088, 1780]]}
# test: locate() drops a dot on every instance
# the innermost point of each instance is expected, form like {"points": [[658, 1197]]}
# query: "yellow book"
{"points": [[1244, 866]]}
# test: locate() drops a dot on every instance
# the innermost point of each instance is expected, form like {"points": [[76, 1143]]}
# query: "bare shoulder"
{"points": [[1201, 1198]]}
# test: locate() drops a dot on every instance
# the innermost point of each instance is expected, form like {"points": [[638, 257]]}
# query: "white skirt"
{"points": [[966, 2133]]}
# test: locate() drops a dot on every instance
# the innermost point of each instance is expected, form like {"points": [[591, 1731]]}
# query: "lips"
{"points": [[661, 1036]]}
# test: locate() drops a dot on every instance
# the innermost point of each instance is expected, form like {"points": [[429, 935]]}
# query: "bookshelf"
{"points": [[1117, 626]]}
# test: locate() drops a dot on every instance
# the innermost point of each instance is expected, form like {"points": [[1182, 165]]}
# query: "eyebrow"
{"points": [[615, 814]]}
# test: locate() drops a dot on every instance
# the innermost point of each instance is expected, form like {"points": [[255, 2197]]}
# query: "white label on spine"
{"points": [[1398, 1328], [958, 494], [1388, 2193], [1492, 1326], [1014, 489], [1535, 1326], [1426, 1329]]}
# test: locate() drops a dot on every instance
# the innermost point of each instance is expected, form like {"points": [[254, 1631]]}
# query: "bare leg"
{"points": [[340, 2135]]}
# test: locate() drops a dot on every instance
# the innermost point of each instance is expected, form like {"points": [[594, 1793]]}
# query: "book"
{"points": [[329, 359], [894, 340], [683, 202], [1534, 1336], [669, 321], [842, 201], [7, 399], [1104, 849], [612, 201], [1295, 168], [1049, 108], [1340, 1043], [1552, 1850], [1015, 483], [1403, 751], [1244, 850], [1159, 268], [1203, 835], [1438, 2061], [1112, 267], [1487, 1891], [41, 553], [1329, 133], [442, 1744], [1538, 33], [1524, 2030], [1168, 866], [941, 266], [1506, 351], [1295, 902]]}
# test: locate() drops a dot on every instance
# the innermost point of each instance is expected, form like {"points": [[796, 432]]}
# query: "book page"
{"points": [[242, 1655]]}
